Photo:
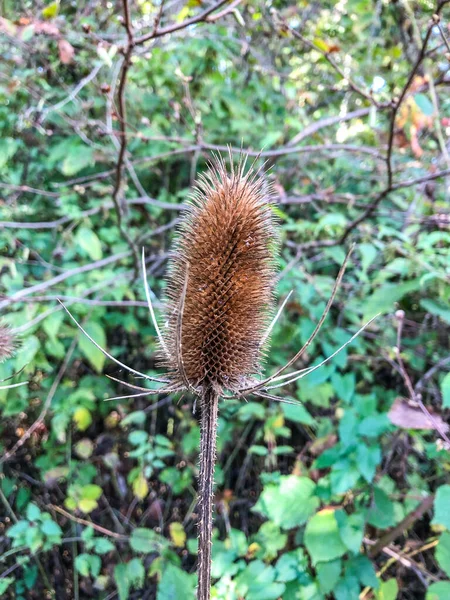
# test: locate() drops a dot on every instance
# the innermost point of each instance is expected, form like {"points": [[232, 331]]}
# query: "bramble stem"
{"points": [[208, 434]]}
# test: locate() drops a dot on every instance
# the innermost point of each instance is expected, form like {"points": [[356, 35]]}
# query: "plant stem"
{"points": [[209, 408]]}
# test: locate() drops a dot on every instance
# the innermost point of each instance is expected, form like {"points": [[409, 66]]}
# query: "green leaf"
{"points": [[443, 552], [290, 502], [384, 298], [328, 574], [91, 491], [424, 103], [441, 507], [347, 589], [445, 391], [122, 581], [103, 545], [95, 356], [388, 590], [5, 582], [381, 513], [368, 458], [298, 414], [175, 584], [90, 243], [136, 573], [257, 582], [271, 540], [144, 540], [323, 526], [438, 591], [83, 564], [50, 528], [33, 512], [351, 529], [78, 156], [436, 308], [8, 147]]}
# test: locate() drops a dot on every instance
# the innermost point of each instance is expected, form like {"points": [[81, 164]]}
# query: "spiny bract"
{"points": [[220, 282]]}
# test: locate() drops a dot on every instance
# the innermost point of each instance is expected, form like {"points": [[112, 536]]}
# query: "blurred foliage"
{"points": [[98, 499]]}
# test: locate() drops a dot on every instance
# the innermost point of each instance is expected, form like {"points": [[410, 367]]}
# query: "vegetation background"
{"points": [[108, 111]]}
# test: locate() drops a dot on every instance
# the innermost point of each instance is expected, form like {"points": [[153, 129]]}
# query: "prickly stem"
{"points": [[208, 433]]}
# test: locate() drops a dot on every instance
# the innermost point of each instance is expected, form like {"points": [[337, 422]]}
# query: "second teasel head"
{"points": [[221, 279]]}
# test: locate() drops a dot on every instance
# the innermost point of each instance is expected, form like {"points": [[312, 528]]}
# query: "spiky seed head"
{"points": [[221, 278], [7, 342]]}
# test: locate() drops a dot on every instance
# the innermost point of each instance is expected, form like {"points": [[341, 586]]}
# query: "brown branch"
{"points": [[406, 523], [203, 16], [121, 112], [99, 528]]}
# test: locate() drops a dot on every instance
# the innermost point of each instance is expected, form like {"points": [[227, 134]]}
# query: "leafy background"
{"points": [[343, 496]]}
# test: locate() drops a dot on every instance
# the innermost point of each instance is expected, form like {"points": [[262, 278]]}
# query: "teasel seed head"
{"points": [[221, 279], [7, 342]]}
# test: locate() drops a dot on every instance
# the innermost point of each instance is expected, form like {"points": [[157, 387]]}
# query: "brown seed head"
{"points": [[7, 342], [221, 280]]}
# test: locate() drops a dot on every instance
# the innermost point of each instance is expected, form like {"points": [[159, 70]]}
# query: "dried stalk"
{"points": [[209, 409]]}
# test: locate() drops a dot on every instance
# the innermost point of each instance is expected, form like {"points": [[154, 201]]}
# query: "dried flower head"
{"points": [[7, 342], [221, 281]]}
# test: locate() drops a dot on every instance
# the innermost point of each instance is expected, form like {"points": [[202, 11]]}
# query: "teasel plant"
{"points": [[218, 315], [8, 345]]}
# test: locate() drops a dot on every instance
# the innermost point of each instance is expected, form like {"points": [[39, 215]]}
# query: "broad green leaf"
{"points": [[91, 352], [386, 295], [175, 584], [351, 529], [8, 147], [439, 309], [425, 104], [290, 502], [438, 591], [78, 157], [368, 458], [443, 552], [328, 574], [90, 243], [323, 526], [50, 528], [298, 414], [257, 582], [388, 590], [381, 512], [136, 573], [145, 540], [441, 507], [122, 581]]}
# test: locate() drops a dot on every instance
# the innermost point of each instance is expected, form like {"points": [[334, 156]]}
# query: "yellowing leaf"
{"points": [[87, 505], [51, 11], [140, 487], [82, 418], [177, 534]]}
